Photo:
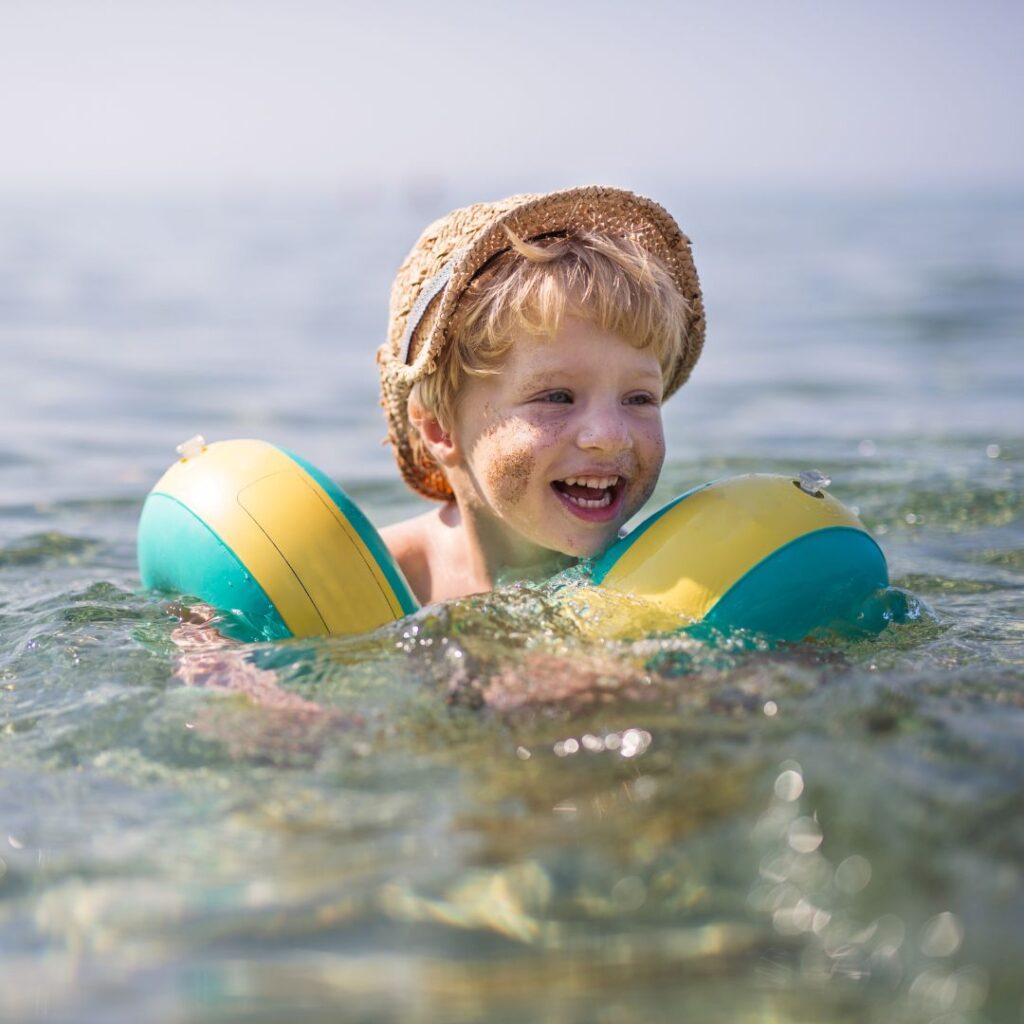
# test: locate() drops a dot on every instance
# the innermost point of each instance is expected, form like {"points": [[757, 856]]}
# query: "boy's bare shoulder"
{"points": [[410, 544], [428, 549], [407, 537]]}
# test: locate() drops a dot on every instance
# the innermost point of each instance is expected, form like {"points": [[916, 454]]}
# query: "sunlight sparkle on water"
{"points": [[629, 743], [942, 935], [629, 893], [808, 900], [805, 835], [853, 874], [951, 994], [789, 785]]}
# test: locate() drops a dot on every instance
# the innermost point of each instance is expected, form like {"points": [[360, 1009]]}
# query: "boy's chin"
{"points": [[590, 547]]}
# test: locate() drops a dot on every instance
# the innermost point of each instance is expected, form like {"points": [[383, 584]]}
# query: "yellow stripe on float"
{"points": [[289, 534], [696, 551], [337, 570]]}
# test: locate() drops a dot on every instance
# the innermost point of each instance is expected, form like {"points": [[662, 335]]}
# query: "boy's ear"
{"points": [[438, 440]]}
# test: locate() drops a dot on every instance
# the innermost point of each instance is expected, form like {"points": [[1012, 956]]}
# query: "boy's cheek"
{"points": [[505, 456], [509, 473], [656, 438], [651, 458], [651, 449]]}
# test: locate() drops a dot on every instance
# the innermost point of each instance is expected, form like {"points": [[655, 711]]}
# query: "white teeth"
{"points": [[602, 502], [598, 483]]}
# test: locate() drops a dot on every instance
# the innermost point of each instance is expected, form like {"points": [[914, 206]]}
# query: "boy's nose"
{"points": [[604, 430]]}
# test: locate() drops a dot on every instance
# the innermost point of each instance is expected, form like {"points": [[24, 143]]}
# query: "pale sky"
{"points": [[292, 94]]}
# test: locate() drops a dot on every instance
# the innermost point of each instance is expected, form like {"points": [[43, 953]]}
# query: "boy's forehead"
{"points": [[536, 367]]}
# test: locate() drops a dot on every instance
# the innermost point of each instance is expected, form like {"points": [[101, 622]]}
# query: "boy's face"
{"points": [[561, 446]]}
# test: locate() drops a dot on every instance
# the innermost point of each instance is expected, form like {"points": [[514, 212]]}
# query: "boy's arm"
{"points": [[210, 659], [407, 545]]}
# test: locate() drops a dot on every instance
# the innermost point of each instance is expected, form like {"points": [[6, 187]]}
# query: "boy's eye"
{"points": [[643, 398], [560, 397]]}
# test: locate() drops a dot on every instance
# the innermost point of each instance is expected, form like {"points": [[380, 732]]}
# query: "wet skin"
{"points": [[582, 404], [585, 404]]}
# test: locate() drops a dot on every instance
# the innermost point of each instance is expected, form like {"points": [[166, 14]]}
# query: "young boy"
{"points": [[531, 344]]}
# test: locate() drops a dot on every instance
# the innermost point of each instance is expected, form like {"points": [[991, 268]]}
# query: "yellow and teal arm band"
{"points": [[759, 552], [255, 530]]}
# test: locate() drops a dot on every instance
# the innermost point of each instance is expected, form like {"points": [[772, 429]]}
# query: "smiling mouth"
{"points": [[590, 493]]}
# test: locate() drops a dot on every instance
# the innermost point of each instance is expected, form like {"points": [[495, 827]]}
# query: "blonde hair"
{"points": [[608, 281]]}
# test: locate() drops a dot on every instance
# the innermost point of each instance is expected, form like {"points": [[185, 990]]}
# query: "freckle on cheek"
{"points": [[650, 468], [507, 476]]}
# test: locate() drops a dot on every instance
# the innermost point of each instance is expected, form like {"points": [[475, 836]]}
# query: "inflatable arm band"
{"points": [[249, 527]]}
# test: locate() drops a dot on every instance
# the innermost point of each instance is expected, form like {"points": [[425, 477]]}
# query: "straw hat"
{"points": [[453, 249]]}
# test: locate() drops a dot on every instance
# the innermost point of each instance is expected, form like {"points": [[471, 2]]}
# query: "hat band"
{"points": [[430, 290]]}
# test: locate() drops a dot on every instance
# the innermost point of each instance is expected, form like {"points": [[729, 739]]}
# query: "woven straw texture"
{"points": [[477, 232]]}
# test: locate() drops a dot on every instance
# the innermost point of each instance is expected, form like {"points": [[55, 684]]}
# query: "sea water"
{"points": [[493, 811]]}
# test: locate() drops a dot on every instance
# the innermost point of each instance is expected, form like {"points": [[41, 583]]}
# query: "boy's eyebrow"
{"points": [[650, 374], [540, 380], [543, 379]]}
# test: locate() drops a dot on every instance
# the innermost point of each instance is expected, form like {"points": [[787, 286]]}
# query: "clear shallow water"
{"points": [[463, 828]]}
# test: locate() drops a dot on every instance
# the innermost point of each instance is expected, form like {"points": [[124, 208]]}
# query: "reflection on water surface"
{"points": [[499, 810]]}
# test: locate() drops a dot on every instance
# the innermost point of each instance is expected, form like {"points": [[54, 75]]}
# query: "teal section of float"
{"points": [[179, 553], [783, 597]]}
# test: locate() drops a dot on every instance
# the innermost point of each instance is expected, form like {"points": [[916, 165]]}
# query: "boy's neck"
{"points": [[488, 558]]}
